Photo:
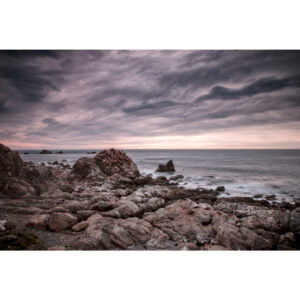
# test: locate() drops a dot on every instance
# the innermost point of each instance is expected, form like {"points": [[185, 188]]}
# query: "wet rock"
{"points": [[177, 177], [38, 222], [168, 167], [61, 221], [270, 197], [220, 189], [80, 226], [59, 152], [116, 162], [46, 152]]}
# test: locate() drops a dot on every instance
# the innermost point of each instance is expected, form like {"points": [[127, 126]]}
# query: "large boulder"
{"points": [[10, 162], [168, 167], [114, 161], [61, 221]]}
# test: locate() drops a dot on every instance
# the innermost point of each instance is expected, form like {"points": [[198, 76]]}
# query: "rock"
{"points": [[187, 246], [86, 167], [2, 225], [184, 220], [168, 167], [177, 177], [241, 238], [125, 209], [10, 162], [57, 248], [86, 243], [46, 152], [38, 222], [101, 206], [80, 226], [271, 220], [220, 189], [67, 188], [270, 197], [61, 221], [84, 214], [26, 152], [123, 233], [73, 206], [59, 152], [295, 221], [114, 161]]}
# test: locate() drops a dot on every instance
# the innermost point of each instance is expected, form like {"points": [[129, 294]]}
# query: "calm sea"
{"points": [[242, 172]]}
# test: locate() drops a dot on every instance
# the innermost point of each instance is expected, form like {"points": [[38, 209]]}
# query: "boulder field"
{"points": [[104, 203]]}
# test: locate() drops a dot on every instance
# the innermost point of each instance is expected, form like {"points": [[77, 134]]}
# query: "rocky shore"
{"points": [[104, 203]]}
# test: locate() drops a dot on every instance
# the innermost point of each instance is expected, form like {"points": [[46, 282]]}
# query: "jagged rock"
{"points": [[114, 161], [241, 238], [184, 220], [168, 167], [271, 220], [10, 162], [38, 222], [86, 167], [122, 233], [46, 152], [61, 221]]}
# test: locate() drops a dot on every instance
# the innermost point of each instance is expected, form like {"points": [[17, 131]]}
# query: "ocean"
{"points": [[241, 172]]}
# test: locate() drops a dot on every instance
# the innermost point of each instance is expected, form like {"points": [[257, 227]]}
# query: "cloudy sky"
{"points": [[149, 99]]}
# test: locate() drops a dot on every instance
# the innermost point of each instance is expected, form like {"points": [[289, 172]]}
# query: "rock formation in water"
{"points": [[168, 167]]}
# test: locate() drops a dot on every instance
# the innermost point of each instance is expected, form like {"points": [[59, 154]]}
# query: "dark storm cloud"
{"points": [[84, 97], [264, 85]]}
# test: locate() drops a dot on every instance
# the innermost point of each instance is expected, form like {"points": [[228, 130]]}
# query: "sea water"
{"points": [[242, 172]]}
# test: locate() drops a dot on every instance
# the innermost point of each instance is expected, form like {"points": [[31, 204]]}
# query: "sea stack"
{"points": [[169, 167]]}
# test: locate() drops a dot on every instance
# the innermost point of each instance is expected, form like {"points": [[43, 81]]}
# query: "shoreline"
{"points": [[104, 203]]}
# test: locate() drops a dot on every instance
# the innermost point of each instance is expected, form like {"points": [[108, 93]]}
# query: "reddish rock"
{"points": [[116, 162], [61, 221], [38, 222]]}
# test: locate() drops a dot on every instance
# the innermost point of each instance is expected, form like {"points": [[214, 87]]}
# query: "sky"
{"points": [[150, 99]]}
